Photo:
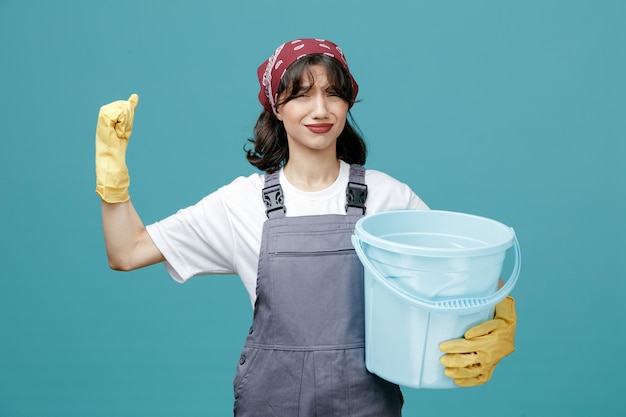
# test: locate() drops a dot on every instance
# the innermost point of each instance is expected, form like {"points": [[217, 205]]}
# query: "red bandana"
{"points": [[272, 70]]}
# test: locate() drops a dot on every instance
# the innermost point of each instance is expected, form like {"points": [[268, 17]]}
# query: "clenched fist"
{"points": [[115, 125]]}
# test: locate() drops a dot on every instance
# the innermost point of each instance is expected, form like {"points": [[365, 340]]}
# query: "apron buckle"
{"points": [[356, 194], [273, 199]]}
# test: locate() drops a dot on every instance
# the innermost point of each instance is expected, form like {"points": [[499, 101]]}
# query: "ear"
{"points": [[279, 116]]}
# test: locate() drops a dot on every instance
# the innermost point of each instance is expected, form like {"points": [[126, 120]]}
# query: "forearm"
{"points": [[127, 241]]}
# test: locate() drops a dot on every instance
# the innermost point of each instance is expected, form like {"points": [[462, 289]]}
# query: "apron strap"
{"points": [[356, 193], [273, 196]]}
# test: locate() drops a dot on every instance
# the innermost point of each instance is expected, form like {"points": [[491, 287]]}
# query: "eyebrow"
{"points": [[307, 87]]}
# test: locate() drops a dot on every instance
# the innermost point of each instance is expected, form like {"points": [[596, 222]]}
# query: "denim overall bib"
{"points": [[304, 355]]}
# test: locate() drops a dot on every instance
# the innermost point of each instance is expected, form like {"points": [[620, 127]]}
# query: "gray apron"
{"points": [[304, 355]]}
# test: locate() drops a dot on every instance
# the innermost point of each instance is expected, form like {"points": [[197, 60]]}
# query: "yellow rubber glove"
{"points": [[471, 361], [115, 124]]}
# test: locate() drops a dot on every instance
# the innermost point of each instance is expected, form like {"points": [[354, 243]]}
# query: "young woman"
{"points": [[286, 233]]}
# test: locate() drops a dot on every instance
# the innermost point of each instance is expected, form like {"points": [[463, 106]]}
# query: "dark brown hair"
{"points": [[269, 149]]}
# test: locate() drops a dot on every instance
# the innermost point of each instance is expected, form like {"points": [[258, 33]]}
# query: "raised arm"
{"points": [[128, 244]]}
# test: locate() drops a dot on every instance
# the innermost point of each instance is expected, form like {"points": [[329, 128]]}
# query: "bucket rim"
{"points": [[373, 240], [453, 306]]}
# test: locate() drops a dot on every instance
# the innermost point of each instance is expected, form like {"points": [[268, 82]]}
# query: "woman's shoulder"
{"points": [[379, 176], [242, 188], [251, 182], [388, 193], [376, 178]]}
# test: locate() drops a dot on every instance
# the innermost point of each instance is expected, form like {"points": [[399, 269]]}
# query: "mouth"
{"points": [[320, 127]]}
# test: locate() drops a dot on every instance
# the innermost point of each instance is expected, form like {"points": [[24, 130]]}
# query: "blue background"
{"points": [[513, 110]]}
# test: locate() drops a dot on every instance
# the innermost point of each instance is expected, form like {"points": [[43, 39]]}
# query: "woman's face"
{"points": [[315, 118]]}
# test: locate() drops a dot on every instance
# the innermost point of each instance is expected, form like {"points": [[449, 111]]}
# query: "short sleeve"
{"points": [[197, 240]]}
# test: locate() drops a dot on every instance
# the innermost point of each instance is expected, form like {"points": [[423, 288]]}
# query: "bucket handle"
{"points": [[466, 305]]}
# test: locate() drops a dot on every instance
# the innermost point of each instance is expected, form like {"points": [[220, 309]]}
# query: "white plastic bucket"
{"points": [[429, 276]]}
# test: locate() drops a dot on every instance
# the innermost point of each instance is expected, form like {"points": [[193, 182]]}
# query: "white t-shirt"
{"points": [[221, 234]]}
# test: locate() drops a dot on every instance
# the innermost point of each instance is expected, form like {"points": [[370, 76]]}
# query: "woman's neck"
{"points": [[312, 175]]}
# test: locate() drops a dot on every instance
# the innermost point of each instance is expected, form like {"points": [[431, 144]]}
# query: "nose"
{"points": [[320, 107]]}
